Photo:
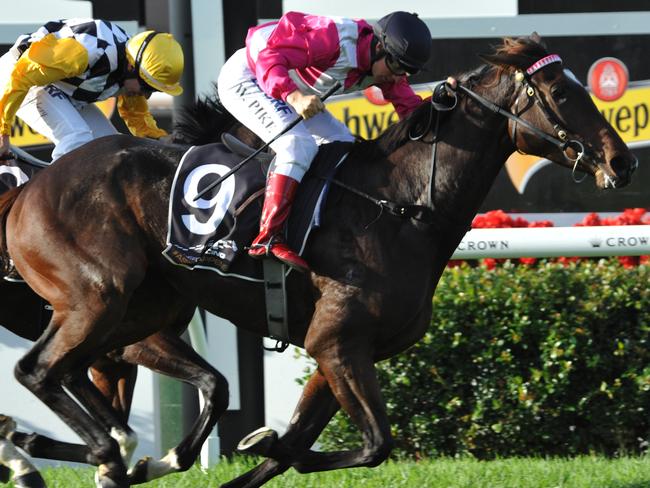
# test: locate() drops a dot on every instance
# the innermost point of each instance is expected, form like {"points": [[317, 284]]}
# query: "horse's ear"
{"points": [[535, 37]]}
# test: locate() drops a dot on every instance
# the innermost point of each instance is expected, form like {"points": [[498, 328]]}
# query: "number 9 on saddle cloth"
{"points": [[213, 231]]}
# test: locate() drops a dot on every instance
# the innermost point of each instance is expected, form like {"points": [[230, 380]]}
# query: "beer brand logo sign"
{"points": [[608, 78]]}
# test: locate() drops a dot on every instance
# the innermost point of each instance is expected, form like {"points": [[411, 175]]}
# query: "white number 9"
{"points": [[220, 201]]}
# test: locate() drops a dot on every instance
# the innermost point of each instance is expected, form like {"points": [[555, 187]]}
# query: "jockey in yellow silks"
{"points": [[51, 78]]}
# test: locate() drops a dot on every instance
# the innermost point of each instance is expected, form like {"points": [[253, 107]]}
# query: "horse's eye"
{"points": [[559, 94]]}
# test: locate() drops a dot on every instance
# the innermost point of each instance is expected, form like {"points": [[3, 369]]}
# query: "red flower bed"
{"points": [[499, 219]]}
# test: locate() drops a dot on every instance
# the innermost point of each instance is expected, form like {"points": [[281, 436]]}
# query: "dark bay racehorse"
{"points": [[88, 238], [23, 312]]}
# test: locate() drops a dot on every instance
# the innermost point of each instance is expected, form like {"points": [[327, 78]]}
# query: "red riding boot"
{"points": [[280, 192]]}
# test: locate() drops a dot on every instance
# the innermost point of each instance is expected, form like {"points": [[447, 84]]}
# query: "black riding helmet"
{"points": [[406, 39]]}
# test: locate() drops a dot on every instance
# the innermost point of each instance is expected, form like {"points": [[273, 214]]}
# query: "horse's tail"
{"points": [[7, 200]]}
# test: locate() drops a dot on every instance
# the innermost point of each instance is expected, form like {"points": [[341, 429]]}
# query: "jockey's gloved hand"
{"points": [[306, 105], [5, 147], [444, 96]]}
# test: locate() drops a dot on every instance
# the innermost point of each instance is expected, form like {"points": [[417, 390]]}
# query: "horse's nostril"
{"points": [[620, 164]]}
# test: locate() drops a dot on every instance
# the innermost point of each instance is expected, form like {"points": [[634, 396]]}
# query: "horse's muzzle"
{"points": [[616, 172]]}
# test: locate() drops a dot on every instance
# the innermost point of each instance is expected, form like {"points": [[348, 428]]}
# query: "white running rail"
{"points": [[542, 242]]}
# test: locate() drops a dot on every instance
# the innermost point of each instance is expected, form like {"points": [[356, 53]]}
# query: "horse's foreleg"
{"points": [[43, 447], [315, 408], [99, 403], [42, 370], [115, 381], [169, 355]]}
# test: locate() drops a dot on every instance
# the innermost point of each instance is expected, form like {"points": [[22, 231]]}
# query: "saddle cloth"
{"points": [[213, 232], [14, 173]]}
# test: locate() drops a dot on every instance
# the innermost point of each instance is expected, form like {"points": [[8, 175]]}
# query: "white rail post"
{"points": [[211, 448]]}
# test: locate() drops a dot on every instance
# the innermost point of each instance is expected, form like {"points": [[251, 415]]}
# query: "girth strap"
{"points": [[420, 213]]}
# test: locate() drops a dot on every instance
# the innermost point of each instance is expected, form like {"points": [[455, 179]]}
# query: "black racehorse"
{"points": [[87, 235]]}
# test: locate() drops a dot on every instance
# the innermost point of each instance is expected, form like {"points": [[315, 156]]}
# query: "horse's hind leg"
{"points": [[315, 408], [167, 354], [25, 474]]}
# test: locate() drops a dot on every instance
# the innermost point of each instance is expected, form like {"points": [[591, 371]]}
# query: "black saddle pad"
{"points": [[213, 231]]}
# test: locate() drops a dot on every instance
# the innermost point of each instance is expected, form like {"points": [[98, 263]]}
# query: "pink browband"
{"points": [[546, 60]]}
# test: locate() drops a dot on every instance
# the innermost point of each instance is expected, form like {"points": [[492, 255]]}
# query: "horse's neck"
{"points": [[472, 150], [473, 145]]}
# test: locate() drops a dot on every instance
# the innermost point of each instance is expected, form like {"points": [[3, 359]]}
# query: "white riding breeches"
{"points": [[50, 112], [265, 116]]}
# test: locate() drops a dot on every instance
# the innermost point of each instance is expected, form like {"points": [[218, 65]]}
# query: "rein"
{"points": [[422, 213], [561, 142], [563, 145]]}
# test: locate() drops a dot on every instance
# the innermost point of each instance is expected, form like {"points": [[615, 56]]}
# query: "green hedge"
{"points": [[549, 360]]}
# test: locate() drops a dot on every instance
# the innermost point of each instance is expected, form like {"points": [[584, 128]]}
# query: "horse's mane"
{"points": [[516, 53], [203, 121]]}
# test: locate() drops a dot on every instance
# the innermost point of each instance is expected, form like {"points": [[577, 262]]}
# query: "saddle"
{"points": [[242, 149], [16, 171]]}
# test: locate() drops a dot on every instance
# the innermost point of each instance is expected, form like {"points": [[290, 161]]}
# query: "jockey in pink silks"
{"points": [[280, 74]]}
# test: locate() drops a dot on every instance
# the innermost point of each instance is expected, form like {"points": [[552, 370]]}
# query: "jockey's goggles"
{"points": [[397, 68], [145, 87]]}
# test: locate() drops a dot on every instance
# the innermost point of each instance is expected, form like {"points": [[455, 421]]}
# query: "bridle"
{"points": [[560, 139]]}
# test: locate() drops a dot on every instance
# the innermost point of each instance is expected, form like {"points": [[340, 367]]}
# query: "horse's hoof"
{"points": [[103, 481], [5, 474], [138, 473], [29, 480], [258, 442], [7, 425], [106, 482]]}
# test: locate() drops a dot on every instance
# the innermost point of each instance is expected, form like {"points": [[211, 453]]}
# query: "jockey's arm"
{"points": [[134, 110], [401, 95], [47, 60]]}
